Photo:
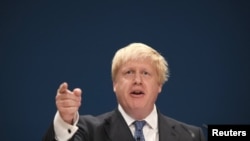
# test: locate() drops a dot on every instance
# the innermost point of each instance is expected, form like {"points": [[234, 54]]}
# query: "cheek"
{"points": [[119, 88], [155, 91], [116, 86], [156, 87]]}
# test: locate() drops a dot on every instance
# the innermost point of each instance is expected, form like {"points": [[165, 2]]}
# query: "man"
{"points": [[138, 74]]}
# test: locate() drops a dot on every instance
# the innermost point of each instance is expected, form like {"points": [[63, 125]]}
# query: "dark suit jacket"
{"points": [[111, 126]]}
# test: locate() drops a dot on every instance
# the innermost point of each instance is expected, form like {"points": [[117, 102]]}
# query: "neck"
{"points": [[139, 114]]}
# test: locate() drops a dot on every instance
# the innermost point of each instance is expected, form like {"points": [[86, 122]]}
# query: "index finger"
{"points": [[63, 88]]}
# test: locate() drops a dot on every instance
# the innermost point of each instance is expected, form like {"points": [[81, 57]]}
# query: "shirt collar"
{"points": [[151, 119]]}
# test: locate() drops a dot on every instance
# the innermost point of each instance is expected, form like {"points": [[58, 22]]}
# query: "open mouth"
{"points": [[137, 92]]}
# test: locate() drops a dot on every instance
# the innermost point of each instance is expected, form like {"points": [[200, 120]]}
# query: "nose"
{"points": [[137, 79]]}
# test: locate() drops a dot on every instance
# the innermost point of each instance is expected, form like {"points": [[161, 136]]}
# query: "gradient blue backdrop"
{"points": [[45, 43]]}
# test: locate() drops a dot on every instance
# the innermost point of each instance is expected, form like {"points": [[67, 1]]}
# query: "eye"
{"points": [[128, 72], [145, 73]]}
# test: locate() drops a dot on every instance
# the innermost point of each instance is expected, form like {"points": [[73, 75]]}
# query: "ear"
{"points": [[160, 88], [114, 86]]}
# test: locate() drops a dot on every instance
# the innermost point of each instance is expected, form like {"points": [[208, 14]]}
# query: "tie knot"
{"points": [[139, 124]]}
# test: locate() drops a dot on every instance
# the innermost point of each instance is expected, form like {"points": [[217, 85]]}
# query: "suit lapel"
{"points": [[116, 128], [166, 129]]}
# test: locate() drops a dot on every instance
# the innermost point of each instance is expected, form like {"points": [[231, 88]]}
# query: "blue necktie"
{"points": [[138, 130]]}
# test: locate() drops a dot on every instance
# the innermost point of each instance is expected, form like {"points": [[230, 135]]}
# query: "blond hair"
{"points": [[135, 51]]}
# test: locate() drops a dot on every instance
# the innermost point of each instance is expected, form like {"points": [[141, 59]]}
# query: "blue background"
{"points": [[45, 43]]}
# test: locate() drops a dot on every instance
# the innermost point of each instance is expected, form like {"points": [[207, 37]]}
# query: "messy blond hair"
{"points": [[135, 51]]}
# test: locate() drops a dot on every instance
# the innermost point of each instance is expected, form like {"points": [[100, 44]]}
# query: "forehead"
{"points": [[139, 63]]}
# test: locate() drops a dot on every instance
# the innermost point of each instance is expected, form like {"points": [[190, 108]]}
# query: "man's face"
{"points": [[136, 85]]}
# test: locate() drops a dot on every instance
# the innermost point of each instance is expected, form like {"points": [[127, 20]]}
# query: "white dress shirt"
{"points": [[64, 131], [150, 129]]}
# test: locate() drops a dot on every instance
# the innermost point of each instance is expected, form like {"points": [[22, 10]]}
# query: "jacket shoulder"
{"points": [[183, 129]]}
